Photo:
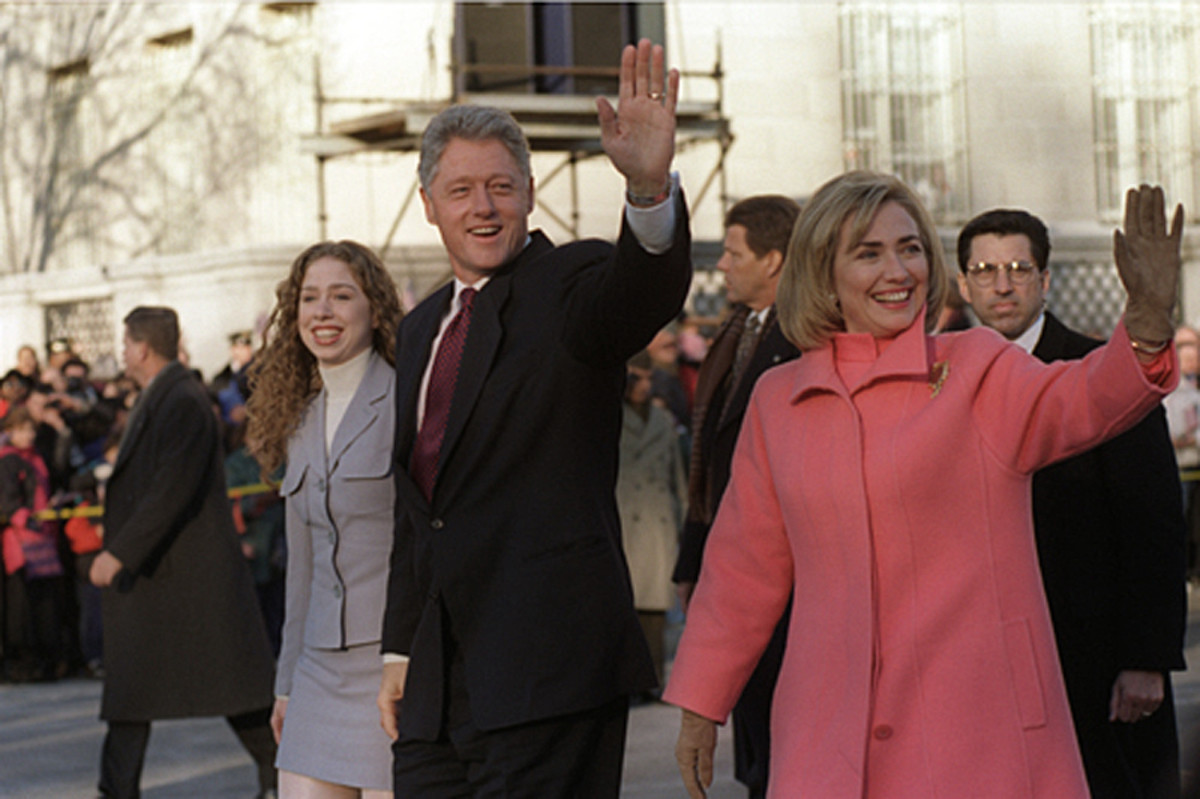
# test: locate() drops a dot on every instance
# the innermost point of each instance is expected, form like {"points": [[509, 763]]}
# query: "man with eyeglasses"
{"points": [[1110, 535]]}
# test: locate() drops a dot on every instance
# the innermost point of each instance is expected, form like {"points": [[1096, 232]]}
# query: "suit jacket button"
{"points": [[332, 537], [321, 484], [883, 732], [337, 592], [437, 524]]}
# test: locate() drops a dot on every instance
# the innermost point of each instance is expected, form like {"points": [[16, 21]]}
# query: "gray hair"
{"points": [[473, 123]]}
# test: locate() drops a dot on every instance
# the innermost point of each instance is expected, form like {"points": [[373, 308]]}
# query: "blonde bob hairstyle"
{"points": [[807, 305]]}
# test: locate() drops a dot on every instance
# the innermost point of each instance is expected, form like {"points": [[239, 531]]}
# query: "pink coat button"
{"points": [[883, 732]]}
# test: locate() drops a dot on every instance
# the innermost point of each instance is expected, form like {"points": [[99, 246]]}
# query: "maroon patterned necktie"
{"points": [[442, 378]]}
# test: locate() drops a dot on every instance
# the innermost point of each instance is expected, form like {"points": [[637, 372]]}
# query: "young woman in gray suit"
{"points": [[323, 403]]}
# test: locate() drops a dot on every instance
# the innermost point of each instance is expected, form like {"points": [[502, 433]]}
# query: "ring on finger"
{"points": [[655, 95]]}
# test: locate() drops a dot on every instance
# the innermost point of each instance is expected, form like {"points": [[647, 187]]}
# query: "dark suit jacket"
{"points": [[1110, 536], [182, 631], [718, 438], [518, 557]]}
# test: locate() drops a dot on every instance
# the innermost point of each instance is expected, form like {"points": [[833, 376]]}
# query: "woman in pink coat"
{"points": [[884, 478]]}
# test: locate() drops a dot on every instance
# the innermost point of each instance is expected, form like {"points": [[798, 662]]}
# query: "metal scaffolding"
{"points": [[553, 123]]}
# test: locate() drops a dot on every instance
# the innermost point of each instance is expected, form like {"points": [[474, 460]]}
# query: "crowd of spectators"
{"points": [[61, 433]]}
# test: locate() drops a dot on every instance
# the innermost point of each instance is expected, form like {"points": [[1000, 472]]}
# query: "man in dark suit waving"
{"points": [[1110, 536], [757, 230], [510, 640]]}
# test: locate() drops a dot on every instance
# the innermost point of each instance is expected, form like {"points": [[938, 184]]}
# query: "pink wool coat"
{"points": [[921, 661]]}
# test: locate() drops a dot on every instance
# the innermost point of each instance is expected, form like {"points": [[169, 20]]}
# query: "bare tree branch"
{"points": [[99, 151]]}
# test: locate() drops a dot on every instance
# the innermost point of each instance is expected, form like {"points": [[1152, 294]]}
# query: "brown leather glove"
{"points": [[1149, 263], [694, 752]]}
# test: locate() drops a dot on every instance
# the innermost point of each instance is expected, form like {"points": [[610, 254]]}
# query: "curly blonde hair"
{"points": [[283, 376]]}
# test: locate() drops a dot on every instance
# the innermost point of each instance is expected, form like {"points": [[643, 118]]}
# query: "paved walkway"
{"points": [[50, 746], [50, 743]]}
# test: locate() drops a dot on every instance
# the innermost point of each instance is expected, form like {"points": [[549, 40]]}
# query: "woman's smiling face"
{"points": [[334, 316], [882, 281]]}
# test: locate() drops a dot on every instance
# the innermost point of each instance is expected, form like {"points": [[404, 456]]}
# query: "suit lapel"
{"points": [[483, 340], [719, 361], [309, 438], [361, 415], [764, 356], [1050, 345], [412, 356]]}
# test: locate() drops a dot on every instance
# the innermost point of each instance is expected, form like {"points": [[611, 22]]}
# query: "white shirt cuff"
{"points": [[654, 227], [394, 657]]}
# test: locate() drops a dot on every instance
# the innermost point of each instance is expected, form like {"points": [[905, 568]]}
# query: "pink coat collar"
{"points": [[910, 355]]}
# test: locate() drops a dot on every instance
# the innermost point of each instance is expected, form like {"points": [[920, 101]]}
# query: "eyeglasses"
{"points": [[1019, 272]]}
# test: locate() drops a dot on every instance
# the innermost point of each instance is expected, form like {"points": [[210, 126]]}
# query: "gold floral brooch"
{"points": [[937, 377]]}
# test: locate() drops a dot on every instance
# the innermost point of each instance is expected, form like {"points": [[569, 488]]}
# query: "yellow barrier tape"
{"points": [[92, 511], [257, 488]]}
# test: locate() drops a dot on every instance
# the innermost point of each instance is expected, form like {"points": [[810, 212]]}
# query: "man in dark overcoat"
{"points": [[757, 230], [1110, 536], [510, 638], [182, 634]]}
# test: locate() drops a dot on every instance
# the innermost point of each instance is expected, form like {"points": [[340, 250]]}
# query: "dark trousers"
{"points": [[654, 627], [752, 715], [574, 756], [1191, 503], [124, 752], [91, 633], [33, 625], [270, 602]]}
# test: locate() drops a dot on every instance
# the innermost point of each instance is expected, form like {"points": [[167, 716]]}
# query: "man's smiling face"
{"points": [[480, 203]]}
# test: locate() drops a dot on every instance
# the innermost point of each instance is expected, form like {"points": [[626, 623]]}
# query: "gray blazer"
{"points": [[339, 523]]}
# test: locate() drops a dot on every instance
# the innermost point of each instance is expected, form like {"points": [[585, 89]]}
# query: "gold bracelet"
{"points": [[1148, 349]]}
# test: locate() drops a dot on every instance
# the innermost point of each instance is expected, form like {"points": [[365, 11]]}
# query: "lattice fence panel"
{"points": [[708, 293], [1086, 296], [88, 325]]}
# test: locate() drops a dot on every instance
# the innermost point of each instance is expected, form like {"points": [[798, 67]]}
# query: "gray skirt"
{"points": [[331, 730]]}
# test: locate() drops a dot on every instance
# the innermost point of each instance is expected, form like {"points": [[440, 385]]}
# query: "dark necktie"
{"points": [[745, 348], [442, 377]]}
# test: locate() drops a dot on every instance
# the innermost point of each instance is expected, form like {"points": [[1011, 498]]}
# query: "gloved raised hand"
{"points": [[1149, 262]]}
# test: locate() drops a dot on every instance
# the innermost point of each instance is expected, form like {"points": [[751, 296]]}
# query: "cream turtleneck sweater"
{"points": [[341, 382]]}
